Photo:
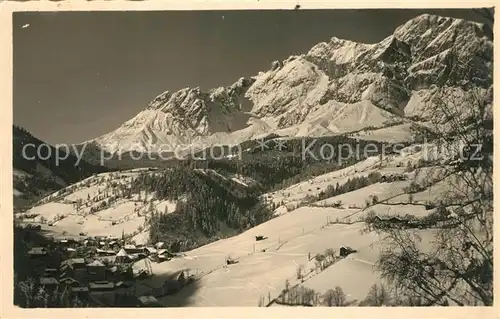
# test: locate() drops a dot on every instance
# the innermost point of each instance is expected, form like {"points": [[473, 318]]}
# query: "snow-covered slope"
{"points": [[36, 174], [97, 206], [105, 205], [337, 87], [303, 230], [263, 267]]}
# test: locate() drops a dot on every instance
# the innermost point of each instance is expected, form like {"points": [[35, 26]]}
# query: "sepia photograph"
{"points": [[252, 158]]}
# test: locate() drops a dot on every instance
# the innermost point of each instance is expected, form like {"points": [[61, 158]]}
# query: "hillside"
{"points": [[38, 174], [308, 219], [142, 204], [306, 228]]}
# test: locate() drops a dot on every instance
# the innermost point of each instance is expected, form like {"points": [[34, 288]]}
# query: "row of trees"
{"points": [[350, 185], [378, 295], [28, 294]]}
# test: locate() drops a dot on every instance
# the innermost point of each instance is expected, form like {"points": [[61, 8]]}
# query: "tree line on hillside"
{"points": [[205, 210], [62, 168], [208, 204], [253, 152], [27, 291], [352, 184]]}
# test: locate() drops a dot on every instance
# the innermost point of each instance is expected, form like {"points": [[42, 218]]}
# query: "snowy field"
{"points": [[291, 238], [390, 165]]}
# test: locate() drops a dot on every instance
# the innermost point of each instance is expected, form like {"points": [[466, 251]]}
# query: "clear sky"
{"points": [[78, 75]]}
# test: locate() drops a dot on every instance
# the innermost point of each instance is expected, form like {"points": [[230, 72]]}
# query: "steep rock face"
{"points": [[426, 51], [179, 119], [457, 51], [336, 80], [288, 93], [204, 112]]}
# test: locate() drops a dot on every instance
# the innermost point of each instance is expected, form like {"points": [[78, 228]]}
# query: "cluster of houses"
{"points": [[98, 270], [432, 220], [393, 178], [110, 248], [392, 221]]}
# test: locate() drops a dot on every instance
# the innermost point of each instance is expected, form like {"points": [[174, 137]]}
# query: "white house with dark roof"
{"points": [[122, 256], [96, 271], [150, 250]]}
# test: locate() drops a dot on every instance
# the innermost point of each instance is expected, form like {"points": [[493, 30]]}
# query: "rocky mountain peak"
{"points": [[425, 54]]}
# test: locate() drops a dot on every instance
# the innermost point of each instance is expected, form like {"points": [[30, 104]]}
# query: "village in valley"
{"points": [[100, 270], [105, 271]]}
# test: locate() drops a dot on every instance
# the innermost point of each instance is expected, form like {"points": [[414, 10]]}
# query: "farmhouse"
{"points": [[74, 263], [102, 252], [122, 257], [96, 271], [149, 301], [70, 252], [50, 272], [37, 252], [393, 221], [125, 288], [101, 286], [159, 245], [132, 249], [68, 243], [149, 250], [49, 283], [161, 255], [103, 291], [344, 251]]}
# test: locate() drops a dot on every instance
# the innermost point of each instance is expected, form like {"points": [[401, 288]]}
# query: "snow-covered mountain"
{"points": [[337, 87]]}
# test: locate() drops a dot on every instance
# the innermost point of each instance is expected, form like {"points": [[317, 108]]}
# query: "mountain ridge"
{"points": [[322, 85]]}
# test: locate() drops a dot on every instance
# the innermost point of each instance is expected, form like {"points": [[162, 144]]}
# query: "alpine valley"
{"points": [[275, 225]]}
